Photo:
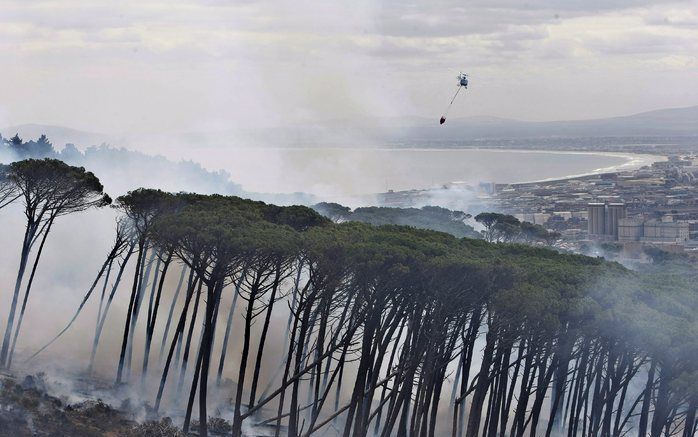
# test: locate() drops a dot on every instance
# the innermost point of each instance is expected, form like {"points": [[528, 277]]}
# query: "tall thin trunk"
{"points": [[647, 399], [287, 368], [237, 414], [100, 323], [182, 274], [228, 326], [106, 265], [47, 229], [294, 297], [293, 417], [152, 317], [661, 405], [689, 424], [187, 346], [473, 428], [179, 330], [192, 392], [23, 259], [544, 377], [145, 278], [131, 303], [213, 295], [263, 336], [103, 294]]}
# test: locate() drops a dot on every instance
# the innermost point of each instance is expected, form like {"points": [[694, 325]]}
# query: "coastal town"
{"points": [[626, 215]]}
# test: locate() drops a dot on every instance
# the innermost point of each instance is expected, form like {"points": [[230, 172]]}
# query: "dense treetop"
{"points": [[397, 302], [427, 217]]}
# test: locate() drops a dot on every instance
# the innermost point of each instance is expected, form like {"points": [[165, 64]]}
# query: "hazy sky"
{"points": [[140, 65]]}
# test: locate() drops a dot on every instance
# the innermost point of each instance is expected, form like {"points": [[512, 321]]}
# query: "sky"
{"points": [[204, 65]]}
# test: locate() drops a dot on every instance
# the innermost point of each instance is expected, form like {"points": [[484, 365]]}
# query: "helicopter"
{"points": [[463, 80], [462, 83]]}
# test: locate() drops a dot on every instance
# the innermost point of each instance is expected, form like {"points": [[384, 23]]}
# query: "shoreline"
{"points": [[634, 162], [620, 161]]}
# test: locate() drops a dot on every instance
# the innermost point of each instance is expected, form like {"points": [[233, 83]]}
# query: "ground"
{"points": [[26, 409]]}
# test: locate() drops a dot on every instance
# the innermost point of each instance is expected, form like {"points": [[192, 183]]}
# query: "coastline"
{"points": [[634, 161], [377, 179]]}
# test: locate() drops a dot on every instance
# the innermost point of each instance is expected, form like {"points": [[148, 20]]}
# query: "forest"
{"points": [[338, 327]]}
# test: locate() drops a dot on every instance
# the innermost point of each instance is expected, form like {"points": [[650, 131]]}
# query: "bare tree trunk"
{"points": [[263, 336], [27, 290], [152, 317], [187, 347], [473, 427], [645, 411], [100, 323], [139, 304], [103, 294], [171, 312], [106, 265], [192, 392], [23, 259], [294, 297], [132, 302], [214, 291], [179, 330], [237, 417], [228, 326], [661, 405]]}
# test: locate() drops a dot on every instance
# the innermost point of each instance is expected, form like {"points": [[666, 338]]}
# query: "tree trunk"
{"points": [[473, 428], [661, 406], [214, 291], [263, 336], [178, 332], [145, 278], [228, 326], [190, 334], [647, 400], [131, 303], [170, 313], [237, 417], [152, 318], [27, 290], [23, 259], [100, 323]]}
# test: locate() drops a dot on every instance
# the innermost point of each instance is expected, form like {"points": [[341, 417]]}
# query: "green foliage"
{"points": [[507, 228], [428, 217], [56, 186], [39, 148], [8, 190]]}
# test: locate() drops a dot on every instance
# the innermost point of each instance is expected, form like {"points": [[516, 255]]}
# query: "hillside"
{"points": [[672, 122], [664, 122]]}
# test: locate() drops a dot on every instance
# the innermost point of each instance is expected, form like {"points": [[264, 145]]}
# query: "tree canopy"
{"points": [[379, 320], [427, 217]]}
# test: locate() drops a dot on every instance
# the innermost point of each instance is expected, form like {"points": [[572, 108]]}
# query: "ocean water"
{"points": [[334, 172]]}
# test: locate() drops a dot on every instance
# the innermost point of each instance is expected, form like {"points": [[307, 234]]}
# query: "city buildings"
{"points": [[603, 219], [653, 206]]}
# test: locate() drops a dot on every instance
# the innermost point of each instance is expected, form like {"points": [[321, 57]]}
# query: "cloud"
{"points": [[180, 64]]}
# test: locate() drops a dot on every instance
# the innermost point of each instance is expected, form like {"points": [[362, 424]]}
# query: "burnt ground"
{"points": [[27, 410], [35, 405]]}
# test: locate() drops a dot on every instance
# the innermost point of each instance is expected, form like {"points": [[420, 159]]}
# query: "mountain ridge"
{"points": [[681, 121]]}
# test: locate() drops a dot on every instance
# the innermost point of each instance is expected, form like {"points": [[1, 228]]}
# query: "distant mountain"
{"points": [[674, 122], [664, 122]]}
